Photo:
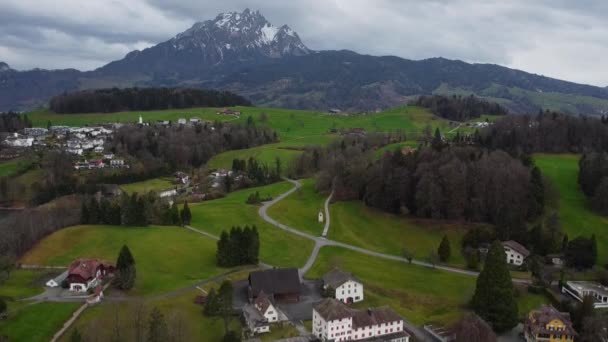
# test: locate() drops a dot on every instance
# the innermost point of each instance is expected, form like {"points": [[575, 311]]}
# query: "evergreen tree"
{"points": [[223, 250], [76, 336], [600, 199], [564, 242], [185, 214], [537, 191], [175, 218], [254, 246], [211, 304], [84, 213], [494, 295], [125, 269], [157, 327], [225, 302], [444, 251], [437, 142]]}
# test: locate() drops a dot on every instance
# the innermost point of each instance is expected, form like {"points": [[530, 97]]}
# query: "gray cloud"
{"points": [[557, 38]]}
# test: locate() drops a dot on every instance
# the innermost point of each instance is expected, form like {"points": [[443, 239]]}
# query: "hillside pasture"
{"points": [[167, 258]]}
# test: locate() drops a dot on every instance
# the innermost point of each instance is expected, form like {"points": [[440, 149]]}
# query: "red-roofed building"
{"points": [[84, 274]]}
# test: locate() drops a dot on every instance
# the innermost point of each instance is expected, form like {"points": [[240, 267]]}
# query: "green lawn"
{"points": [[527, 302], [420, 294], [25, 283], [167, 258], [277, 247], [300, 209], [155, 184], [11, 167], [266, 154], [279, 331], [575, 215], [354, 223], [36, 322]]}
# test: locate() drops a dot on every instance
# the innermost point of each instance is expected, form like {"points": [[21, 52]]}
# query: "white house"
{"points": [[17, 140], [85, 274], [261, 314], [98, 149], [580, 289], [348, 288], [516, 253], [167, 193], [334, 321], [182, 121]]}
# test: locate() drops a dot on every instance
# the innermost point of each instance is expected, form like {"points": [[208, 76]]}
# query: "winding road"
{"points": [[321, 241]]}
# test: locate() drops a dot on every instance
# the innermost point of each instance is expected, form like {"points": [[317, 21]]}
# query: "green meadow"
{"points": [[277, 247], [167, 258], [36, 322], [575, 214], [154, 184]]}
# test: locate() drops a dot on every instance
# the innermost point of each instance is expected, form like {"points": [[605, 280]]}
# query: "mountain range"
{"points": [[271, 66]]}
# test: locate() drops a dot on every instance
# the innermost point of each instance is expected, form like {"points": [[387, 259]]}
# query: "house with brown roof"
{"points": [[84, 274], [280, 284], [516, 253], [548, 324], [261, 314], [335, 321], [348, 289]]}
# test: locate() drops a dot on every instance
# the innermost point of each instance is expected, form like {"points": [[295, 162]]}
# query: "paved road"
{"points": [[322, 241]]}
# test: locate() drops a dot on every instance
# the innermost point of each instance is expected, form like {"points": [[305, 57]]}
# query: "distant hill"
{"points": [[244, 53]]}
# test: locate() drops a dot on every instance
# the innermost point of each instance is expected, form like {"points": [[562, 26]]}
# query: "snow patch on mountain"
{"points": [[268, 33]]}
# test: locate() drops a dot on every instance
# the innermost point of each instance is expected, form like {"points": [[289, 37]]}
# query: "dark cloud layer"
{"points": [[558, 38]]}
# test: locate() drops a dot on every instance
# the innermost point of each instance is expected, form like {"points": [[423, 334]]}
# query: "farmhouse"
{"points": [[548, 324], [334, 321], [516, 253], [181, 177], [581, 289], [85, 274], [259, 315], [280, 284], [348, 289]]}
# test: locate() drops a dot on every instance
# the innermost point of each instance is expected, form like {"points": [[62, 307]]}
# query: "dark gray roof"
{"points": [[332, 309], [275, 281], [516, 246], [337, 277]]}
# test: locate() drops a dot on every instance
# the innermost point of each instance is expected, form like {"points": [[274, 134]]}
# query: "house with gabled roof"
{"points": [[280, 284], [548, 324], [348, 289], [84, 274], [516, 253], [261, 314], [335, 321]]}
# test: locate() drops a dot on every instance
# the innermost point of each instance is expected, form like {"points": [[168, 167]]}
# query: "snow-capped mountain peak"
{"points": [[4, 67], [239, 36]]}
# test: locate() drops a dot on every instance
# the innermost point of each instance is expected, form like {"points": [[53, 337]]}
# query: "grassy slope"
{"points": [[167, 258], [419, 294], [576, 216], [25, 283], [354, 223], [155, 184], [300, 209], [36, 322], [277, 247], [266, 154], [10, 167]]}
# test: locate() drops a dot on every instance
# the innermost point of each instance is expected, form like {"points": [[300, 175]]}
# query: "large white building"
{"points": [[348, 289], [335, 321], [580, 289], [516, 253]]}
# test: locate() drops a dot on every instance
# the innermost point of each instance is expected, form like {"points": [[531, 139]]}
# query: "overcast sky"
{"points": [[558, 38]]}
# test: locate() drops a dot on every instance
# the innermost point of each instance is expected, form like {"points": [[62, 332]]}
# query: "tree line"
{"points": [[129, 99], [549, 132], [459, 108], [239, 247], [593, 179], [12, 122], [133, 210], [458, 183]]}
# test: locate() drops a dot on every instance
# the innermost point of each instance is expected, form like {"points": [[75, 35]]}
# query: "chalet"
{"points": [[259, 315], [335, 321], [580, 289], [84, 274], [348, 289], [181, 177], [548, 324], [516, 253], [280, 284]]}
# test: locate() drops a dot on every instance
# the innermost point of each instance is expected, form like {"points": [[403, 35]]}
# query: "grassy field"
{"points": [[266, 154], [576, 217], [419, 294], [12, 167], [356, 224], [36, 322], [25, 283], [277, 247], [155, 184], [300, 209], [167, 258]]}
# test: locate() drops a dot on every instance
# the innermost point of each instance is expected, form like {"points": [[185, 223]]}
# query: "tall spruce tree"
{"points": [[537, 191], [223, 257], [125, 269], [185, 214], [224, 297], [494, 298], [444, 250], [175, 218]]}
